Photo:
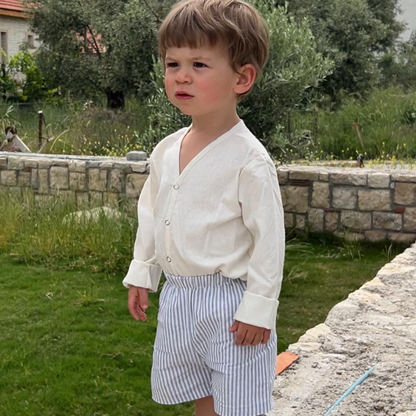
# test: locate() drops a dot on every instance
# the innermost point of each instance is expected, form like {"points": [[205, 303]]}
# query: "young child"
{"points": [[211, 218]]}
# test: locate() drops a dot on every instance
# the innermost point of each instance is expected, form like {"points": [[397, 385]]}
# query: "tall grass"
{"points": [[47, 234]]}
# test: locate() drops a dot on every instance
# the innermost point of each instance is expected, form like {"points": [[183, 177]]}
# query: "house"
{"points": [[14, 28]]}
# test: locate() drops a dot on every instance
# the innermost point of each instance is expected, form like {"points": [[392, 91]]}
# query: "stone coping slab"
{"points": [[375, 325]]}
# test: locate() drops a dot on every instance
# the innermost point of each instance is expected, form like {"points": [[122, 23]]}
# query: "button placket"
{"points": [[172, 201]]}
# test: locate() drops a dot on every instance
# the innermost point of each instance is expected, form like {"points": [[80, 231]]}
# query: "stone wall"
{"points": [[87, 182], [348, 202], [351, 202]]}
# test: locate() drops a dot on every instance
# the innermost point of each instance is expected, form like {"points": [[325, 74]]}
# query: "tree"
{"points": [[353, 33], [97, 46]]}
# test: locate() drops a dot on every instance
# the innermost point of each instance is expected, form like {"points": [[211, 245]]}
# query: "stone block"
{"points": [[34, 182], [59, 177], [357, 179], [300, 221], [324, 176], [111, 199], [16, 163], [97, 179], [375, 235], [8, 177], [44, 163], [43, 181], [106, 165], [331, 221], [387, 221], [344, 198], [138, 167], [64, 195], [93, 164], [77, 181], [316, 219], [136, 155], [134, 184], [3, 162], [116, 180], [289, 220], [349, 236], [403, 176], [44, 199], [23, 179], [96, 199], [295, 198], [320, 195], [31, 163], [378, 180], [130, 207], [82, 200], [374, 200], [356, 220], [405, 193], [402, 237], [303, 174], [409, 219], [283, 175], [77, 166]]}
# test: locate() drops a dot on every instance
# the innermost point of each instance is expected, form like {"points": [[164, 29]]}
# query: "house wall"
{"points": [[17, 31]]}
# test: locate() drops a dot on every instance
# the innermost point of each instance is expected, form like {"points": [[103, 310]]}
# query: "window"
{"points": [[31, 41], [3, 47]]}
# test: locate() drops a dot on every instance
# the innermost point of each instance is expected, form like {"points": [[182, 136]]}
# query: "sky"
{"points": [[408, 16]]}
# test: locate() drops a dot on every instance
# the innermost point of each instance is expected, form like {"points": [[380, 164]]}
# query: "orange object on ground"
{"points": [[284, 361]]}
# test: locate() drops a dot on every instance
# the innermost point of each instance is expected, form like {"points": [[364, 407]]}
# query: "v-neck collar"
{"points": [[204, 151]]}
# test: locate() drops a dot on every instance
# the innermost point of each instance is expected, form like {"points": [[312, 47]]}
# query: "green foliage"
{"points": [[352, 33], [97, 47], [293, 68]]}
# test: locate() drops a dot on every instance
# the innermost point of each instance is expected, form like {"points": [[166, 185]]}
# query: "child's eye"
{"points": [[171, 64], [199, 65]]}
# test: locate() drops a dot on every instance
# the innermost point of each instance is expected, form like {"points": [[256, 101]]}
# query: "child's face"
{"points": [[200, 81]]}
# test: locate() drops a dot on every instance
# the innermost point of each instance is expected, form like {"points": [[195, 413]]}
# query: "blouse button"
{"points": [[175, 187], [167, 222], [168, 259]]}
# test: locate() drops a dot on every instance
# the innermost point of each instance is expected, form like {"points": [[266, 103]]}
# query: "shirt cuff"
{"points": [[257, 310], [144, 275]]}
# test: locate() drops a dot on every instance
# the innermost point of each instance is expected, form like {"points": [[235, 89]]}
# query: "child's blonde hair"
{"points": [[230, 23]]}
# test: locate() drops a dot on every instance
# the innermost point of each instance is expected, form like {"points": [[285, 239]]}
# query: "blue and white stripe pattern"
{"points": [[195, 354]]}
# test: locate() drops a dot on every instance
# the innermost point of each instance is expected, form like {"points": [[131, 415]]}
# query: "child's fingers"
{"points": [[132, 303], [143, 298], [266, 336], [234, 326], [257, 339]]}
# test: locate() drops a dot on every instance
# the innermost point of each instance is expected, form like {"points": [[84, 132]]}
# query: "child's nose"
{"points": [[183, 75]]}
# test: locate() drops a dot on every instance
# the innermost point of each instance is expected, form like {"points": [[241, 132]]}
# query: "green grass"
{"points": [[69, 346]]}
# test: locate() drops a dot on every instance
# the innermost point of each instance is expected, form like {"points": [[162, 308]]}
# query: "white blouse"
{"points": [[223, 213]]}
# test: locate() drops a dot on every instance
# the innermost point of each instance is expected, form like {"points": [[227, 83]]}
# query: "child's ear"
{"points": [[247, 76]]}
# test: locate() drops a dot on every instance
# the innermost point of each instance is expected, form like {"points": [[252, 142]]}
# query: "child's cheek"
{"points": [[212, 92]]}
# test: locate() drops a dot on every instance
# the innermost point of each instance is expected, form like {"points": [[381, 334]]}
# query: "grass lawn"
{"points": [[69, 347]]}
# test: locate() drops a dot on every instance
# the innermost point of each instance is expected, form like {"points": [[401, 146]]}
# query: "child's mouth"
{"points": [[183, 96]]}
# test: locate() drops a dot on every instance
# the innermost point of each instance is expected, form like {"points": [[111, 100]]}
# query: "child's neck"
{"points": [[213, 126]]}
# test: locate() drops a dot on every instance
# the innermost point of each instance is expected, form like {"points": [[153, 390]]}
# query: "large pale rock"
{"points": [[316, 219], [344, 198], [134, 184], [387, 221], [8, 177], [331, 221], [59, 177], [97, 179], [374, 199], [353, 178], [357, 220], [93, 215], [294, 198], [379, 180], [320, 195], [405, 193], [409, 219]]}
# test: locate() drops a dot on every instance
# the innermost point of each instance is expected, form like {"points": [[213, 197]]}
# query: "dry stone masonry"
{"points": [[374, 326], [354, 203]]}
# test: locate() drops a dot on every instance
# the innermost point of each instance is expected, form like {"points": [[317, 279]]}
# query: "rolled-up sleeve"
{"points": [[144, 271], [262, 213]]}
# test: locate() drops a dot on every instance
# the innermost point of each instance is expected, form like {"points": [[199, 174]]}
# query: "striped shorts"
{"points": [[195, 355]]}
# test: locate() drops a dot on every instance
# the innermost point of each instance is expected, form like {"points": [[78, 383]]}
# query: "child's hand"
{"points": [[247, 334], [138, 302]]}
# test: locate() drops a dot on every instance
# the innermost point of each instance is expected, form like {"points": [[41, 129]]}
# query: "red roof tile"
{"points": [[13, 5]]}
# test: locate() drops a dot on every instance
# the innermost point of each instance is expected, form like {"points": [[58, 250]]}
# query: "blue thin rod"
{"points": [[357, 383]]}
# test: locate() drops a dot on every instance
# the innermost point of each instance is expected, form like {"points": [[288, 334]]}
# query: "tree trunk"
{"points": [[115, 99]]}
